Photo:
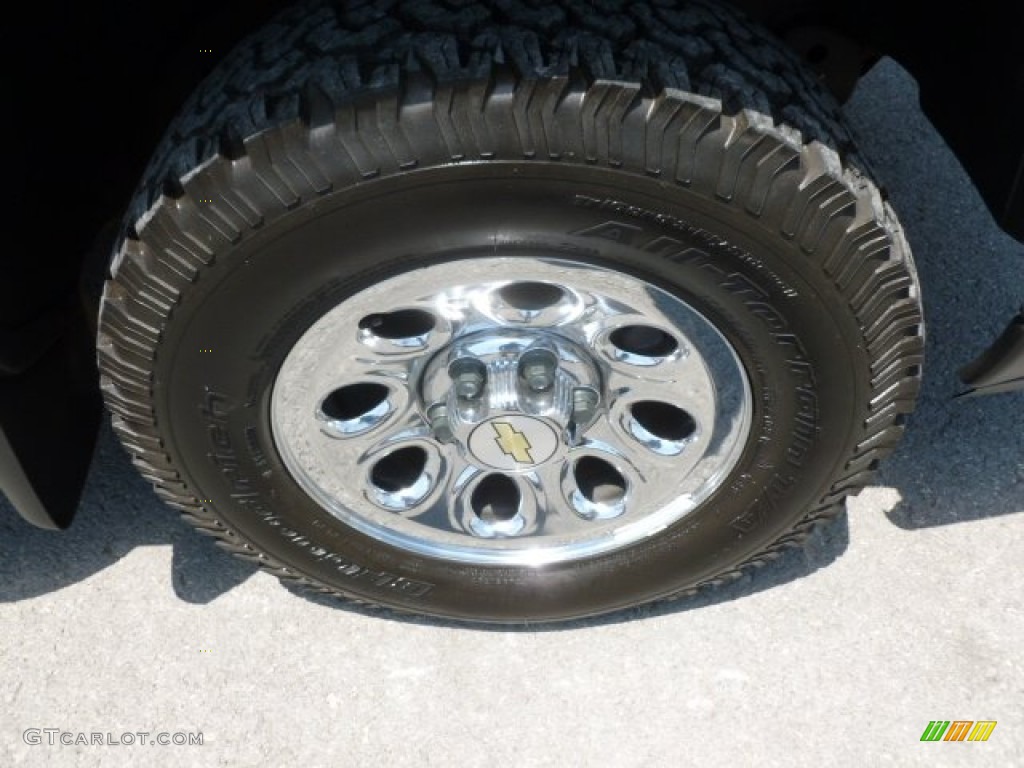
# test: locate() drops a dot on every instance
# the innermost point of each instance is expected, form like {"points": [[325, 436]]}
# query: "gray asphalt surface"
{"points": [[907, 609]]}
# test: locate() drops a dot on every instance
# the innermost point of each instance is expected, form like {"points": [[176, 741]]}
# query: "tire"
{"points": [[642, 230]]}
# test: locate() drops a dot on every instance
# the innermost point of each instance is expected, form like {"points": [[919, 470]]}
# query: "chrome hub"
{"points": [[512, 411], [511, 399]]}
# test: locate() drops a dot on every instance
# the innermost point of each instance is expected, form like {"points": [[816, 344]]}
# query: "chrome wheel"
{"points": [[513, 411]]}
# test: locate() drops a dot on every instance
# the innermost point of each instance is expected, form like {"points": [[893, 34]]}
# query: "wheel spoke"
{"points": [[404, 425], [544, 484]]}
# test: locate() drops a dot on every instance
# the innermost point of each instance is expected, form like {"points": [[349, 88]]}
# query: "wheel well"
{"points": [[967, 66], [95, 114]]}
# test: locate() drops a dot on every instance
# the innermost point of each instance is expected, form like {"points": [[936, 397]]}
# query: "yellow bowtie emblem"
{"points": [[512, 442]]}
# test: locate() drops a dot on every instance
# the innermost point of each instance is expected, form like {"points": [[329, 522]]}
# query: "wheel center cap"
{"points": [[513, 442]]}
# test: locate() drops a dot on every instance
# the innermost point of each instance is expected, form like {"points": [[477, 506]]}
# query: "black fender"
{"points": [[49, 421]]}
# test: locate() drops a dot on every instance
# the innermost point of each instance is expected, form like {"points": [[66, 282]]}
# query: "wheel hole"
{"points": [[664, 421], [531, 296], [599, 481], [353, 401], [643, 340], [495, 499], [401, 324], [399, 470]]}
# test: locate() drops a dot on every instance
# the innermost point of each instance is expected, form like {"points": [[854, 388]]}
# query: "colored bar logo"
{"points": [[958, 730]]}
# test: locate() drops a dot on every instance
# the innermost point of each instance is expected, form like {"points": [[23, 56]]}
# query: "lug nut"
{"points": [[584, 409], [584, 405], [441, 427], [469, 377], [537, 368]]}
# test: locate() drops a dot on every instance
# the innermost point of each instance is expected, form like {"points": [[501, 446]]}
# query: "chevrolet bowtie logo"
{"points": [[512, 442]]}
